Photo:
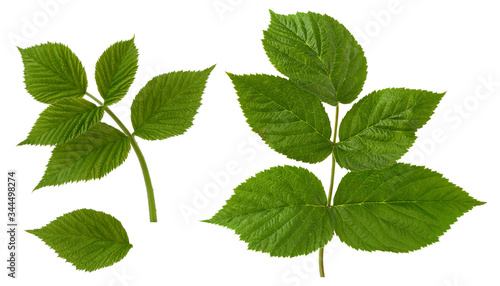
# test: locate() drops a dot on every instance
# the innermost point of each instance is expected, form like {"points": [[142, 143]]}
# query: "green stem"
{"points": [[321, 265], [140, 156], [147, 180], [330, 189]]}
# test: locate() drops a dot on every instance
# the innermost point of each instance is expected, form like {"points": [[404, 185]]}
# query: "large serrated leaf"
{"points": [[399, 209], [63, 121], [89, 156], [281, 211], [52, 71], [380, 127], [115, 70], [318, 53], [290, 120], [167, 104], [88, 239]]}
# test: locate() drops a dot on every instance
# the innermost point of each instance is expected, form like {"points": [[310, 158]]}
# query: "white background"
{"points": [[435, 45]]}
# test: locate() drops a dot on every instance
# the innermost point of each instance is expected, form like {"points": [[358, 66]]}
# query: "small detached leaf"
{"points": [[318, 53], [281, 211], [166, 105], [398, 209], [63, 121], [52, 71], [88, 239], [89, 156], [290, 120], [115, 71], [380, 127]]}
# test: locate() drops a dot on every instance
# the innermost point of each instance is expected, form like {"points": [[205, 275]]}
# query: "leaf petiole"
{"points": [[330, 189], [147, 180], [334, 140], [140, 156]]}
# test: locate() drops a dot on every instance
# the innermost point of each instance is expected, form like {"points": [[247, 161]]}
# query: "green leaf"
{"points": [[281, 211], [52, 71], [166, 105], [380, 128], [290, 120], [399, 209], [115, 71], [88, 239], [63, 121], [318, 53], [89, 156]]}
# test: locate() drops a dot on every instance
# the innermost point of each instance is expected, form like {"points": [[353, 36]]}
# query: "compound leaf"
{"points": [[399, 209], [380, 127], [88, 239], [63, 121], [52, 71], [167, 104], [281, 211], [115, 70], [89, 156], [318, 53], [290, 120]]}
